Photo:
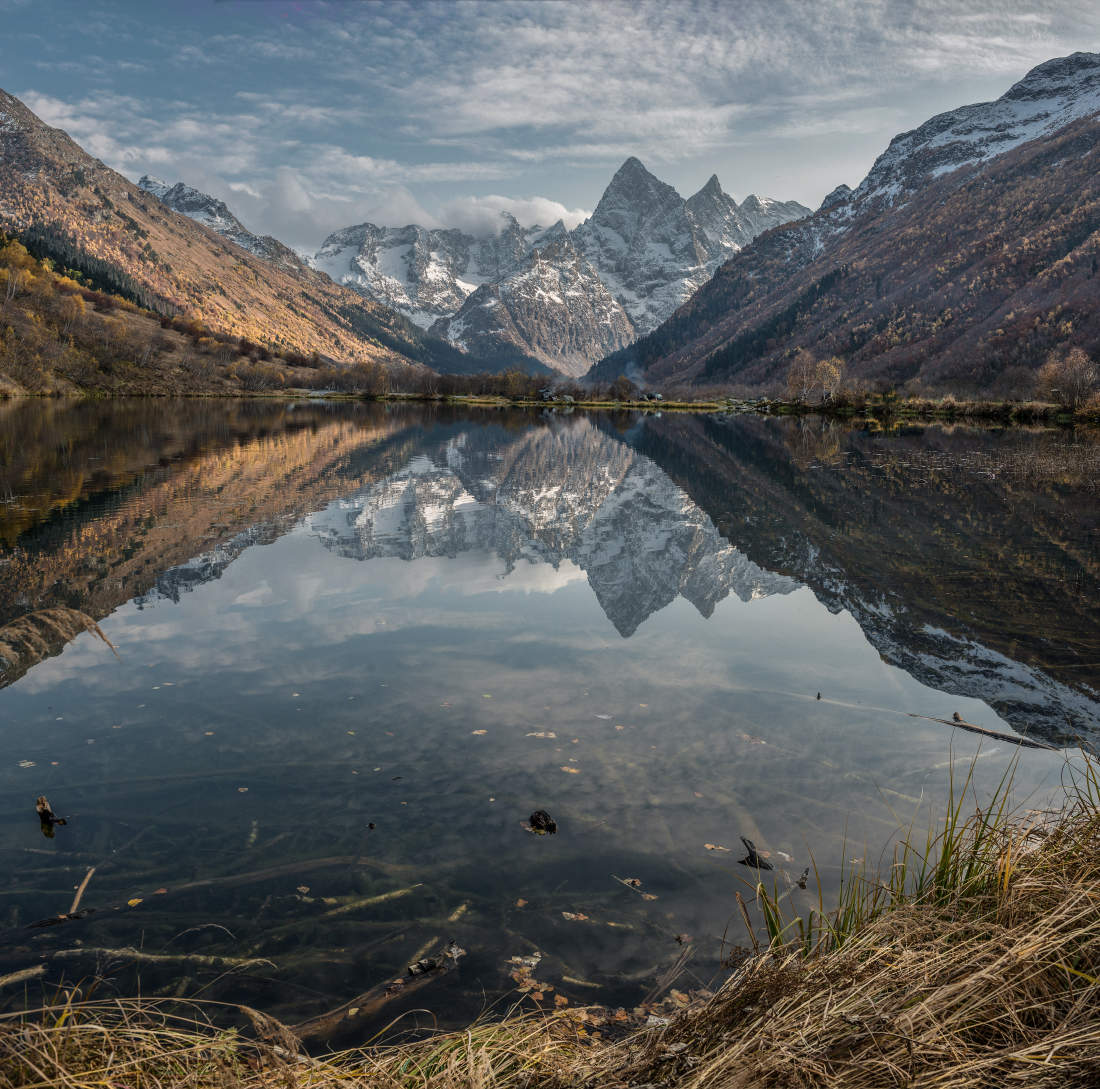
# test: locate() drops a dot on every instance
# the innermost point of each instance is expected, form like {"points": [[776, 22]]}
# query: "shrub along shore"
{"points": [[972, 959]]}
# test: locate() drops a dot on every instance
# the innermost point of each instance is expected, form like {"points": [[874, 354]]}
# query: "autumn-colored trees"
{"points": [[809, 378], [1068, 378]]}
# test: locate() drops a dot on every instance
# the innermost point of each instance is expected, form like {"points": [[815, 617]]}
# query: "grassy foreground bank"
{"points": [[972, 959]]}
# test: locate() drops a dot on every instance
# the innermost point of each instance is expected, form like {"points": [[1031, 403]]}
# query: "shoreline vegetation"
{"points": [[970, 956], [877, 412]]}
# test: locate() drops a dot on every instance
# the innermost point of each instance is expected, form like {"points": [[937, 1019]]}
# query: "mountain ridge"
{"points": [[964, 257], [646, 249]]}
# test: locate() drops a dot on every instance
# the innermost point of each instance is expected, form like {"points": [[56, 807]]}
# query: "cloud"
{"points": [[481, 216], [333, 113]]}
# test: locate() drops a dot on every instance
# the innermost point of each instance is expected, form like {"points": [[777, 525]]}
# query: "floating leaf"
{"points": [[303, 889], [574, 916], [521, 903], [648, 896], [135, 901], [242, 790], [160, 892], [560, 1000], [602, 716], [531, 961], [715, 847], [544, 733], [479, 733], [571, 771]]}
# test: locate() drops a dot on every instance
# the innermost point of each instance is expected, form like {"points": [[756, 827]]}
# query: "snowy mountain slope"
{"points": [[1048, 98], [424, 274], [215, 214], [639, 256], [552, 306]]}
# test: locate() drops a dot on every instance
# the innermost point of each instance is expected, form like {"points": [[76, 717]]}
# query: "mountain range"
{"points": [[968, 252], [564, 297], [966, 255]]}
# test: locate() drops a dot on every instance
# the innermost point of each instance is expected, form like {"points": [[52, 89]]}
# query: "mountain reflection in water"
{"points": [[459, 617]]}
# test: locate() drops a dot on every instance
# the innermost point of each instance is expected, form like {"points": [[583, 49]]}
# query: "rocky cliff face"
{"points": [[553, 306], [654, 249], [641, 254]]}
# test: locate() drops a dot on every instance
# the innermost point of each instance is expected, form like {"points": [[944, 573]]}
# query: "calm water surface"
{"points": [[358, 645]]}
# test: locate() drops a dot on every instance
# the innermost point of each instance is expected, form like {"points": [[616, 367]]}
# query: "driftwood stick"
{"points": [[1024, 742], [363, 1007], [80, 890], [355, 905], [201, 960], [208, 882], [23, 975]]}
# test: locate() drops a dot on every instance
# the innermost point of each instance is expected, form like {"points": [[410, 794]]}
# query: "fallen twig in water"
{"points": [[80, 890], [1011, 739]]}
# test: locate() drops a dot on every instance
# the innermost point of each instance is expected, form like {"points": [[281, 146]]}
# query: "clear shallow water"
{"points": [[435, 622]]}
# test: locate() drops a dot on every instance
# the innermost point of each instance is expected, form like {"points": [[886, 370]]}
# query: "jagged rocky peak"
{"points": [[633, 198], [1050, 96], [157, 186], [643, 251]]}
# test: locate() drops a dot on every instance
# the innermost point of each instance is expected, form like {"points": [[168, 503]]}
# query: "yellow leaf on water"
{"points": [[572, 771], [574, 916], [715, 847], [478, 733], [134, 902]]}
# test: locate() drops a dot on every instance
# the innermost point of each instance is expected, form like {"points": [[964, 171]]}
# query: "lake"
{"points": [[359, 644]]}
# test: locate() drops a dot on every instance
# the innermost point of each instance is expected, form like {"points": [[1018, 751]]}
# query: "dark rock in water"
{"points": [[753, 859], [46, 815], [542, 824]]}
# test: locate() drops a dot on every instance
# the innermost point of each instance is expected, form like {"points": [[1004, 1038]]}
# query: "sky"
{"points": [[307, 116]]}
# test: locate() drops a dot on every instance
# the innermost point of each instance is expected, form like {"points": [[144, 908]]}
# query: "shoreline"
{"points": [[971, 956], [877, 413]]}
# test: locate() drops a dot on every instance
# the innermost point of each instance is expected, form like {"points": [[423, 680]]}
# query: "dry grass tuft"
{"points": [[975, 961]]}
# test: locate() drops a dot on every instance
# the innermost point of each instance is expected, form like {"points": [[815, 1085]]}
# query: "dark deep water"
{"points": [[435, 622]]}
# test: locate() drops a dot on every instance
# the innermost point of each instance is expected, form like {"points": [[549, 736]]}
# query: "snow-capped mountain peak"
{"points": [[215, 214], [564, 297], [1048, 98]]}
